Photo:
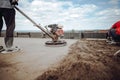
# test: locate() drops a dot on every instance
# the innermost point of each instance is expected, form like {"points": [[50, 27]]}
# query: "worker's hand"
{"points": [[15, 2]]}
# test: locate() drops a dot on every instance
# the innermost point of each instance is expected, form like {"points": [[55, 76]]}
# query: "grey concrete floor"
{"points": [[32, 60]]}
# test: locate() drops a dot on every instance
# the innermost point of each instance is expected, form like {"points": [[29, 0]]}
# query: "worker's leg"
{"points": [[113, 34], [108, 36], [1, 25], [1, 22], [1, 49], [118, 38], [9, 16]]}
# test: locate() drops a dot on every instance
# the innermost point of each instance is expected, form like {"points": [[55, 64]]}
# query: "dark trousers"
{"points": [[114, 36], [9, 17]]}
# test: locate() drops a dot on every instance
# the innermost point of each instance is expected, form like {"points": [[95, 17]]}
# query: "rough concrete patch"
{"points": [[98, 65]]}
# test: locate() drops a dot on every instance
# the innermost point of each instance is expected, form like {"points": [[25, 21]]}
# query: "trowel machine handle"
{"points": [[38, 26]]}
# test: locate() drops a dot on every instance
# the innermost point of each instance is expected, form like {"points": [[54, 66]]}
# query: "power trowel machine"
{"points": [[55, 32]]}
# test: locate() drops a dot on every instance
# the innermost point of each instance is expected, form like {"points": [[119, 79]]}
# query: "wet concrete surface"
{"points": [[32, 60]]}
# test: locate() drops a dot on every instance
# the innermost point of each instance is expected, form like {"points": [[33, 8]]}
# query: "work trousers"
{"points": [[114, 36], [9, 17]]}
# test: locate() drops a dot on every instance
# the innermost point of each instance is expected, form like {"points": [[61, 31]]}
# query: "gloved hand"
{"points": [[14, 2]]}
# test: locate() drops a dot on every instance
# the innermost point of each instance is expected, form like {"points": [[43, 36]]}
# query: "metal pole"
{"points": [[33, 21]]}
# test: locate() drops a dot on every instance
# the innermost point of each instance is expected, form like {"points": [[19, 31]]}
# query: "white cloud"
{"points": [[115, 2], [80, 17], [109, 14]]}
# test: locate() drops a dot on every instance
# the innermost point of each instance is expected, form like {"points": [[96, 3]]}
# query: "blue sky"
{"points": [[72, 14]]}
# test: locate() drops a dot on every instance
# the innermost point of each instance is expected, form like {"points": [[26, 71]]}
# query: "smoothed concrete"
{"points": [[33, 59]]}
